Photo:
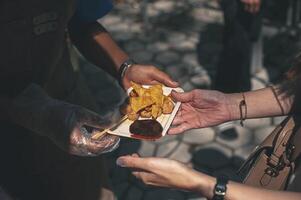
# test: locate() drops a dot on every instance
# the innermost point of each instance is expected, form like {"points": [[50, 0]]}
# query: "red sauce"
{"points": [[149, 129]]}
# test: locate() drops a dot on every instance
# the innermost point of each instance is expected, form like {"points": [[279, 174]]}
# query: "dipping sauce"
{"points": [[146, 129]]}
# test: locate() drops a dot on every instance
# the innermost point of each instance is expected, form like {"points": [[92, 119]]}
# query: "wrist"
{"points": [[123, 71], [204, 185], [233, 101]]}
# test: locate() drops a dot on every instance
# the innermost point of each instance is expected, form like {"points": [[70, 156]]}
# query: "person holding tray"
{"points": [[206, 108]]}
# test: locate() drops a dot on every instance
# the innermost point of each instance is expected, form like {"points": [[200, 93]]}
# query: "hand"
{"points": [[61, 122], [164, 173], [252, 6], [202, 108], [147, 74]]}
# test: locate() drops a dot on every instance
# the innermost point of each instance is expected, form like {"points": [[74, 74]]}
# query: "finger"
{"points": [[161, 77], [182, 97], [257, 6], [179, 129], [133, 162], [92, 119], [135, 155]]}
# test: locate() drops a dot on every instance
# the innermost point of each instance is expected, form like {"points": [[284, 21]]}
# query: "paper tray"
{"points": [[165, 119]]}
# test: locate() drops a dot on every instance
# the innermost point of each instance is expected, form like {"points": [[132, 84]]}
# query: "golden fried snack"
{"points": [[168, 105], [146, 114], [148, 102]]}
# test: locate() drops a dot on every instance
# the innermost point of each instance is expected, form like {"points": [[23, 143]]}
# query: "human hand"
{"points": [[164, 173], [147, 74], [252, 6], [202, 108], [63, 123]]}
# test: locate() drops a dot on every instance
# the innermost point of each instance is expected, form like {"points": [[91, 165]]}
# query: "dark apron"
{"points": [[33, 48]]}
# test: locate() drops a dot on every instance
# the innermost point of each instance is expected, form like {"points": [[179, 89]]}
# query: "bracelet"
{"points": [[277, 99], [242, 105], [123, 68]]}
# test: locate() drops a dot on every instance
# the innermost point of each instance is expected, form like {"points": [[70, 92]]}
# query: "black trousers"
{"points": [[240, 31]]}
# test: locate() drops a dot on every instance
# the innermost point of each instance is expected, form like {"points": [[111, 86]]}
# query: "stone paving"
{"points": [[176, 30]]}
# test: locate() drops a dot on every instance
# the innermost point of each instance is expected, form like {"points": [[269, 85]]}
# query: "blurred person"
{"points": [[46, 107], [243, 20], [206, 108]]}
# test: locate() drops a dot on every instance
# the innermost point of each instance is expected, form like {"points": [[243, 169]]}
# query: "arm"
{"points": [[61, 122], [206, 108], [168, 173], [260, 103], [96, 44]]}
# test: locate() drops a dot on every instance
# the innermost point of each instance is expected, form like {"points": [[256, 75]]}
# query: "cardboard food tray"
{"points": [[165, 119]]}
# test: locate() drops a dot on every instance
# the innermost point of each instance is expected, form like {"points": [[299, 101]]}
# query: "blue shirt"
{"points": [[91, 10]]}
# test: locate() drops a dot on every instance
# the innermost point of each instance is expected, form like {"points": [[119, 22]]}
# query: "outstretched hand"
{"points": [[200, 109], [162, 172], [148, 75]]}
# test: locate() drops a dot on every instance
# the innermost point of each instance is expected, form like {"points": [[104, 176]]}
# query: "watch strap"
{"points": [[220, 188]]}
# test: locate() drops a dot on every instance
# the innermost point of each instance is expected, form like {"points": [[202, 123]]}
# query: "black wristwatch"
{"points": [[220, 188], [122, 69]]}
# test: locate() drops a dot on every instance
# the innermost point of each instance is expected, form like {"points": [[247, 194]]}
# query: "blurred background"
{"points": [[184, 38]]}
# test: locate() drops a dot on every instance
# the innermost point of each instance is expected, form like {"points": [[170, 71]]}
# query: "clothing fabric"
{"points": [[92, 10], [34, 49], [240, 31]]}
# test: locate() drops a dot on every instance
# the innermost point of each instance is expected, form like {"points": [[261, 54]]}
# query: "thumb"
{"points": [[182, 97], [131, 162]]}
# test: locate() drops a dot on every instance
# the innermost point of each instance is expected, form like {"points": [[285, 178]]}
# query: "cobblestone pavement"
{"points": [[175, 31]]}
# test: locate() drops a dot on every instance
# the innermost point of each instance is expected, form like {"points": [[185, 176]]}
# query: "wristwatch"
{"points": [[220, 188], [122, 69]]}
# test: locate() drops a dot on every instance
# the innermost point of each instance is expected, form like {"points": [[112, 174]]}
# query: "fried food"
{"points": [[148, 102]]}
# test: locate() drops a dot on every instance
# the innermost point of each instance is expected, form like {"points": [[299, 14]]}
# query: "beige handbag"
{"points": [[273, 161]]}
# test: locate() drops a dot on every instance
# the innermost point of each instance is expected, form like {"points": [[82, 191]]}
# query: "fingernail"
{"points": [[120, 162]]}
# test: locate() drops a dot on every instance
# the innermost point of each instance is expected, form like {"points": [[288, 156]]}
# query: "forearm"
{"points": [[260, 103], [96, 44], [238, 191]]}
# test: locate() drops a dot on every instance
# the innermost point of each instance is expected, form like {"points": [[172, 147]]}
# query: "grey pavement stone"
{"points": [[157, 46], [177, 71], [168, 138], [133, 46], [182, 153], [244, 137], [176, 37], [166, 149], [199, 136], [166, 6], [144, 57], [134, 194], [212, 156], [262, 133], [119, 27], [263, 75], [184, 46], [168, 58], [190, 59], [201, 80], [187, 86], [123, 36], [257, 123], [146, 149], [278, 120], [257, 84], [110, 20], [164, 194]]}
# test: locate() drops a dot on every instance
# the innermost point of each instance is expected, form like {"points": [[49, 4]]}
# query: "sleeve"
{"points": [[91, 10]]}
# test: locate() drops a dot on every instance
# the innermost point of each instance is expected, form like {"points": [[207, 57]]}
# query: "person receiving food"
{"points": [[47, 112], [206, 108]]}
